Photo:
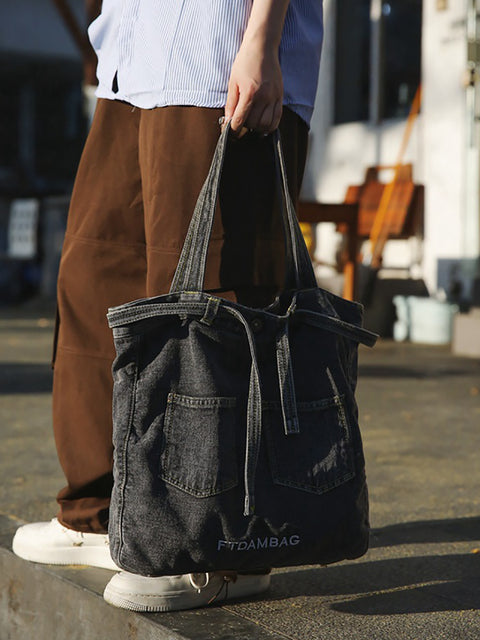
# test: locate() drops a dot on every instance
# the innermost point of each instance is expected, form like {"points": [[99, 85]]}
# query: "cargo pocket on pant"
{"points": [[320, 456], [199, 452]]}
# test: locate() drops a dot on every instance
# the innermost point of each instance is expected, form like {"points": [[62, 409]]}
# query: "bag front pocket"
{"points": [[320, 456], [199, 454]]}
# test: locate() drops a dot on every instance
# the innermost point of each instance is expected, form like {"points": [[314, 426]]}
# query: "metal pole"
{"points": [[376, 75]]}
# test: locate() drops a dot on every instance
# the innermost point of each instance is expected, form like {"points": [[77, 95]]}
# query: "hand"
{"points": [[255, 90]]}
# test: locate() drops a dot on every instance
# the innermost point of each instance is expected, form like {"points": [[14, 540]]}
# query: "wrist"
{"points": [[263, 38]]}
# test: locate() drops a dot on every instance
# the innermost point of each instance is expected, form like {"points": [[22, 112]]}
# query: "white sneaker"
{"points": [[52, 543], [173, 593]]}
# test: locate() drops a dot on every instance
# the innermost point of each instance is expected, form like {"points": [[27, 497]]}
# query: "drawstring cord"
{"points": [[254, 419], [254, 404]]}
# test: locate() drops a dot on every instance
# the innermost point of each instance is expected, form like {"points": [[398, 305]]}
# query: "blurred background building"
{"points": [[43, 125], [376, 54]]}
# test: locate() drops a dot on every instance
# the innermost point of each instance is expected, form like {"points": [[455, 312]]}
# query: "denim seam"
{"points": [[323, 488], [222, 402], [209, 492], [128, 432]]}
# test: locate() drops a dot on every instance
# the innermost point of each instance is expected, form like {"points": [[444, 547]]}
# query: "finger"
{"points": [[255, 116], [277, 115], [242, 110], [232, 100], [266, 120]]}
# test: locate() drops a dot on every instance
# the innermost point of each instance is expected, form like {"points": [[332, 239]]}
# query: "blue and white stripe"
{"points": [[180, 52]]}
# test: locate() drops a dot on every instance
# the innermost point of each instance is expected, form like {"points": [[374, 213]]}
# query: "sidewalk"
{"points": [[420, 416]]}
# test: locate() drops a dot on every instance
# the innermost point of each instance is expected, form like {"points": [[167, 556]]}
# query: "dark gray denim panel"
{"points": [[178, 482], [319, 457], [199, 449]]}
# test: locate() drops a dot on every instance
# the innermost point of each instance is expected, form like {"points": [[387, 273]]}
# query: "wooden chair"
{"points": [[355, 216]]}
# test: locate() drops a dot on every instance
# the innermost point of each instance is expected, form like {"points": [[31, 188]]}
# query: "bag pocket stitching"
{"points": [[323, 488], [208, 493], [175, 399], [222, 402]]}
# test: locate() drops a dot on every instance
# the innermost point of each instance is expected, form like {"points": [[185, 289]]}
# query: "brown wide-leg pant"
{"points": [[138, 180]]}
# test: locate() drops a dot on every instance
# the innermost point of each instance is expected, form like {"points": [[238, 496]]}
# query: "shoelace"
{"points": [[224, 585], [77, 537], [200, 581]]}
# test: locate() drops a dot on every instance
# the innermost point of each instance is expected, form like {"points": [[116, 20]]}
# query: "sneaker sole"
{"points": [[247, 586], [90, 556]]}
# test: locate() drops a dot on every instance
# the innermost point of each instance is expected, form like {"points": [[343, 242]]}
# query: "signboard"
{"points": [[22, 229]]}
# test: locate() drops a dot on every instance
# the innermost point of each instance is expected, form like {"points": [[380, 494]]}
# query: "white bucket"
{"points": [[430, 320]]}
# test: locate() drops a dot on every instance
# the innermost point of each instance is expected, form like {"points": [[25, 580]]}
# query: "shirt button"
{"points": [[257, 324]]}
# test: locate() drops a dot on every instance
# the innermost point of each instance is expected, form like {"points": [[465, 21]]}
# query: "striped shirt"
{"points": [[154, 53]]}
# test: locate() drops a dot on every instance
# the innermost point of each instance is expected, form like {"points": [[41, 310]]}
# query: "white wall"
{"points": [[444, 135]]}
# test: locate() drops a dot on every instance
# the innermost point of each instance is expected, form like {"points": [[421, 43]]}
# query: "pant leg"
{"points": [[176, 147], [103, 264]]}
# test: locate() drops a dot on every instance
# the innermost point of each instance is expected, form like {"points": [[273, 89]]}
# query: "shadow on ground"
{"points": [[393, 372], [425, 532], [398, 585], [19, 378]]}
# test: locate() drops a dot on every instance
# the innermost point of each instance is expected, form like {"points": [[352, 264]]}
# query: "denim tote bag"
{"points": [[236, 438]]}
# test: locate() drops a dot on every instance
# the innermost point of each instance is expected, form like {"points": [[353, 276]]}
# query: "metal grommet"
{"points": [[257, 324]]}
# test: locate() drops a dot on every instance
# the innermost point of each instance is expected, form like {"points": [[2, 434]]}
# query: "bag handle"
{"points": [[190, 272]]}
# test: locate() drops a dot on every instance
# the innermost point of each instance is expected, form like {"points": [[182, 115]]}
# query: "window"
{"points": [[42, 125], [402, 34], [352, 60], [388, 51]]}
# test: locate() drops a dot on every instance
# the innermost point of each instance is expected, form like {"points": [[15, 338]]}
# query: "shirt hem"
{"points": [[209, 99]]}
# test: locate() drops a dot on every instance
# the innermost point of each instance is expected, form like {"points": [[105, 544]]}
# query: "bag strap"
{"points": [[190, 272], [121, 316]]}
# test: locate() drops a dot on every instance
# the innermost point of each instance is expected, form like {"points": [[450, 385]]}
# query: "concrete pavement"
{"points": [[420, 416]]}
